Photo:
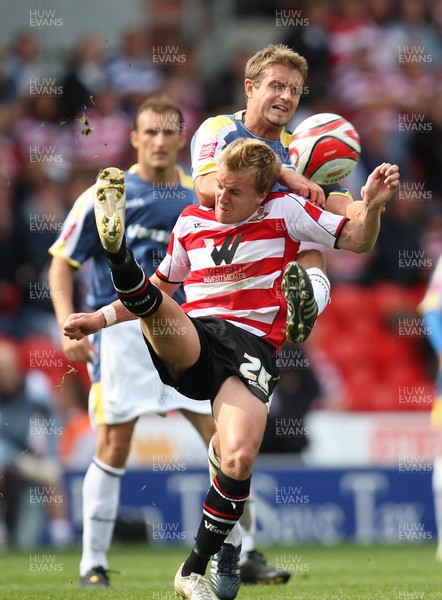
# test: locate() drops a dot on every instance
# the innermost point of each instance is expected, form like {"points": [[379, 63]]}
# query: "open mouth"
{"points": [[280, 107], [223, 209]]}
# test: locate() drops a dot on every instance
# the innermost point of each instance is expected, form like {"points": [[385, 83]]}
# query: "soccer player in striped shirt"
{"points": [[273, 86], [233, 260]]}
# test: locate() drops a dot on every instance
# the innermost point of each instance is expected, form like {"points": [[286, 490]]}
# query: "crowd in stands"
{"points": [[377, 62]]}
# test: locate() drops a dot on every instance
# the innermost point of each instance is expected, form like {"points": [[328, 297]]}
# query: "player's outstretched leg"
{"points": [[109, 207], [130, 282], [302, 309]]}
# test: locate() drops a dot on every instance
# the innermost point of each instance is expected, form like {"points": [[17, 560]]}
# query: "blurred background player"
{"points": [[431, 310], [274, 82], [157, 191]]}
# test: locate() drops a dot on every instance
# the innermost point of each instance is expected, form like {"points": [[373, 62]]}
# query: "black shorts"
{"points": [[226, 350]]}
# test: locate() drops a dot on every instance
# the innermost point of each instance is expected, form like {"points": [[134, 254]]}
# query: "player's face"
{"points": [[235, 197], [158, 139], [277, 97]]}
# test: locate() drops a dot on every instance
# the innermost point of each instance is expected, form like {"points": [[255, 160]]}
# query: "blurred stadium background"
{"points": [[348, 450]]}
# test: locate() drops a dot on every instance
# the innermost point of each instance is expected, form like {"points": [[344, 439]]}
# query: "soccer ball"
{"points": [[325, 148]]}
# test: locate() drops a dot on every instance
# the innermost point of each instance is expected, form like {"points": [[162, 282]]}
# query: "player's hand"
{"points": [[78, 351], [80, 325], [302, 186], [381, 184]]}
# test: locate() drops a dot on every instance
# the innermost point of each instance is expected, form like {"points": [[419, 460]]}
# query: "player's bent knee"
{"points": [[239, 464], [312, 258]]}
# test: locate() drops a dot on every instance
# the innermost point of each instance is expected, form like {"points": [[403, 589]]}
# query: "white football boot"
{"points": [[110, 207]]}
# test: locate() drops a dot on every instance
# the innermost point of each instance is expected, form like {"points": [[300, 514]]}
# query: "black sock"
{"points": [[116, 259], [222, 508], [132, 285], [196, 563]]}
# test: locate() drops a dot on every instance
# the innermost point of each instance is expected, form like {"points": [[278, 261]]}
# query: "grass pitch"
{"points": [[346, 572]]}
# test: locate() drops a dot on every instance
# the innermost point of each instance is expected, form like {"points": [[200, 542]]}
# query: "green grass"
{"points": [[346, 572]]}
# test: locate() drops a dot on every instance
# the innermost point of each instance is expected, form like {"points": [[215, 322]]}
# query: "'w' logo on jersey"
{"points": [[227, 250]]}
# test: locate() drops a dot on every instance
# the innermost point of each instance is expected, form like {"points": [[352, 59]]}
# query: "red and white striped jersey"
{"points": [[234, 272]]}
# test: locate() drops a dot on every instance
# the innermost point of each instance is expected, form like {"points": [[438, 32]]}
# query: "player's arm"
{"points": [[339, 202], [61, 285], [205, 186], [302, 186], [79, 325], [360, 233]]}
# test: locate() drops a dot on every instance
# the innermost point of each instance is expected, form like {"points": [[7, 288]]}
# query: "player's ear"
{"points": [[261, 198], [134, 138], [248, 87]]}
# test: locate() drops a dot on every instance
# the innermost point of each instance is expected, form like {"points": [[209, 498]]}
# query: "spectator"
{"points": [[108, 141], [312, 42], [348, 25], [130, 71], [84, 77], [9, 160], [399, 247], [43, 144], [426, 147], [225, 88], [17, 271], [23, 62], [185, 86], [414, 32], [7, 85]]}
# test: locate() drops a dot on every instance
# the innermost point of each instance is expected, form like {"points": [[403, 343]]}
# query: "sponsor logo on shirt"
{"points": [[200, 225], [137, 231], [208, 149]]}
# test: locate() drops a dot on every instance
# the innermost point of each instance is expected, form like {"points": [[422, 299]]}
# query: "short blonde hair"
{"points": [[274, 54], [255, 158]]}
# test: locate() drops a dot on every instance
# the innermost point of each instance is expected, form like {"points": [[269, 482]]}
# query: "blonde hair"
{"points": [[255, 158], [278, 54]]}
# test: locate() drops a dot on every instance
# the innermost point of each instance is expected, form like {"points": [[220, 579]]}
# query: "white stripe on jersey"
{"points": [[198, 291], [266, 313]]}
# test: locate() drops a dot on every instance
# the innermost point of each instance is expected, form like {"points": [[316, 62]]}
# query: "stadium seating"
{"points": [[380, 361]]}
